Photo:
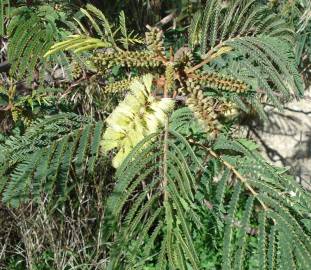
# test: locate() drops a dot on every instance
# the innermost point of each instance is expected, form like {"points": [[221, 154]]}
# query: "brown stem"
{"points": [[235, 172], [239, 176], [166, 19], [165, 150], [212, 54], [206, 60]]}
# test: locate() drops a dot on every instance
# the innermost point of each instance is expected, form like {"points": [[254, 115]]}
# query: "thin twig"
{"points": [[164, 20], [235, 172], [165, 150], [207, 59], [239, 176]]}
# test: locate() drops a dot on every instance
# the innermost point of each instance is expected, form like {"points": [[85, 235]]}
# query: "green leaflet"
{"points": [[169, 217], [41, 162]]}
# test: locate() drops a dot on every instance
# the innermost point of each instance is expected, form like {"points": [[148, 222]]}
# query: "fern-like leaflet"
{"points": [[39, 162]]}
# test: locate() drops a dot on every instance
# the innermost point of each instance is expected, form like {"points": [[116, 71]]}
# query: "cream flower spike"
{"points": [[137, 116]]}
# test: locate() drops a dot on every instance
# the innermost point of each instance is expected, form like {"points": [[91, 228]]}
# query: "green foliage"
{"points": [[40, 161], [32, 31], [27, 107], [267, 184], [187, 193], [260, 40], [148, 222], [83, 42], [4, 14], [298, 13], [256, 202]]}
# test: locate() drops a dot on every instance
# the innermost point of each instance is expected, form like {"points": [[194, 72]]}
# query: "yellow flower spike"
{"points": [[137, 116]]}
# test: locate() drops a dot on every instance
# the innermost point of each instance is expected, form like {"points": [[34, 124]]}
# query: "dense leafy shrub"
{"points": [[136, 149]]}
